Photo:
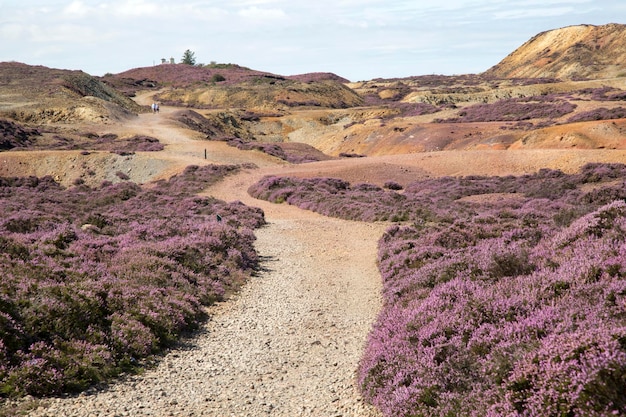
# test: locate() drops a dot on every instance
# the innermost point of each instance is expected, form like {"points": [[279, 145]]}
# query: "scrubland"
{"points": [[502, 295], [94, 280]]}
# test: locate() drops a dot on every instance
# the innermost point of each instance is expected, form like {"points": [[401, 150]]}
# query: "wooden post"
{"points": [[205, 154]]}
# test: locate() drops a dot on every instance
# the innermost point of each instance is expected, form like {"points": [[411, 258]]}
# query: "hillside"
{"points": [[230, 85], [559, 90], [573, 52], [180, 75], [38, 94]]}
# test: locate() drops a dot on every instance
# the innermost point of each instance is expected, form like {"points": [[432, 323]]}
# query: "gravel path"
{"points": [[287, 345]]}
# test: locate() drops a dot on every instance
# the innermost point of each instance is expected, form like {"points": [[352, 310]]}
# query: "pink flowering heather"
{"points": [[508, 308], [95, 279]]}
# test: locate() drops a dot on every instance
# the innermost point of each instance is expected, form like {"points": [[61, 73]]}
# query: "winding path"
{"points": [[289, 343]]}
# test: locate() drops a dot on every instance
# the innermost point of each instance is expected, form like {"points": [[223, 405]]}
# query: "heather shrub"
{"points": [[392, 185], [96, 279], [601, 113], [509, 306], [596, 172], [550, 106], [577, 373], [13, 135], [292, 153], [87, 141], [332, 197], [121, 176], [463, 325], [604, 93]]}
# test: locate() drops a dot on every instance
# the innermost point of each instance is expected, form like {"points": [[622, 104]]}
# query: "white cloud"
{"points": [[66, 34], [527, 13], [138, 8], [11, 31], [262, 14], [76, 8], [252, 3]]}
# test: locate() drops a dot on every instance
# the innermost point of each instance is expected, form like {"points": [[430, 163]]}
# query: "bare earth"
{"points": [[289, 343]]}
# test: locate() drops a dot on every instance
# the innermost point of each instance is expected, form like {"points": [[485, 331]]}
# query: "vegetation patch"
{"points": [[550, 106], [94, 280], [295, 153], [601, 113], [14, 135], [507, 306]]}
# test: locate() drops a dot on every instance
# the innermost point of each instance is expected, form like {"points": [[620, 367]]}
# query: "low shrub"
{"points": [[14, 135], [96, 279], [601, 113], [515, 109], [392, 185], [513, 306]]}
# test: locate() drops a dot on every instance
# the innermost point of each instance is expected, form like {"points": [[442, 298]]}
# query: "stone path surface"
{"points": [[287, 345]]}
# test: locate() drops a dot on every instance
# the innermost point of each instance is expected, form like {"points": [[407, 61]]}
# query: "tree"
{"points": [[189, 58]]}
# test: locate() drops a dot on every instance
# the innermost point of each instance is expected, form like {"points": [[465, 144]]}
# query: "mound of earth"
{"points": [[318, 76], [574, 52], [219, 125], [235, 129], [233, 86], [264, 93], [37, 94], [182, 75]]}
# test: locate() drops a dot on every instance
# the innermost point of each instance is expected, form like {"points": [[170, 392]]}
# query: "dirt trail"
{"points": [[289, 343]]}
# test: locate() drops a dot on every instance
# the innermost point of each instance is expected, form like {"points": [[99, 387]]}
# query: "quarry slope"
{"points": [[573, 52]]}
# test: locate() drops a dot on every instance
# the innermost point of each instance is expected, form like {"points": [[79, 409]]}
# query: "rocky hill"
{"points": [[38, 94], [230, 85], [574, 52], [181, 75], [265, 93]]}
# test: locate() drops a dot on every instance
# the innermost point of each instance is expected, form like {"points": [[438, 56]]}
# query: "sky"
{"points": [[356, 39]]}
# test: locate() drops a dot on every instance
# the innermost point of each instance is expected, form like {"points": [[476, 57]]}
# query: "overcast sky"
{"points": [[356, 39]]}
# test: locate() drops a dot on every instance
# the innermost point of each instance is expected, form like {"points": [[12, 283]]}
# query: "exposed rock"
{"points": [[573, 52], [217, 126]]}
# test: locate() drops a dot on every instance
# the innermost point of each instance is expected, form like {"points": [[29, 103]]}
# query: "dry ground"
{"points": [[288, 345]]}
